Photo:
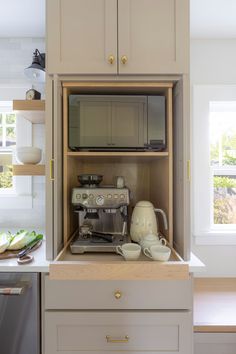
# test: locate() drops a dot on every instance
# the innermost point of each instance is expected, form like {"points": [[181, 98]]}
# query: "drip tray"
{"points": [[80, 245]]}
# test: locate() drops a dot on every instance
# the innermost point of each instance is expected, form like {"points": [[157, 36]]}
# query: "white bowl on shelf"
{"points": [[28, 155]]}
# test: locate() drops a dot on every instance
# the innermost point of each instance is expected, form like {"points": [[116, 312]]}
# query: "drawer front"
{"points": [[133, 332], [70, 294]]}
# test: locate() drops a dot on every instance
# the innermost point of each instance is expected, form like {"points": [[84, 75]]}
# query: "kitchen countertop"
{"points": [[39, 264], [214, 305]]}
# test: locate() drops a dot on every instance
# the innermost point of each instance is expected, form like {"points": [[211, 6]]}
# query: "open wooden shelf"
{"points": [[32, 110], [28, 170], [117, 154], [98, 266]]}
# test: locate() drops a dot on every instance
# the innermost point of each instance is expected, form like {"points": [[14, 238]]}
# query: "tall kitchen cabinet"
{"points": [[104, 304], [117, 37]]}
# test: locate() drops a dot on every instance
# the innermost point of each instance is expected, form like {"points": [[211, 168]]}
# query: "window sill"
{"points": [[226, 238], [11, 201]]}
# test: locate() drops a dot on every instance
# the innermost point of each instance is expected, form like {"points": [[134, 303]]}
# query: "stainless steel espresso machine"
{"points": [[102, 215]]}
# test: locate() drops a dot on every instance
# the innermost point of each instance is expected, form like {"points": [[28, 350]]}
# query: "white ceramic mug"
{"points": [[158, 253], [130, 251]]}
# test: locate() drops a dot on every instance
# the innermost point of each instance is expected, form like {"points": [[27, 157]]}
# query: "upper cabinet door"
{"points": [[82, 36], [153, 36]]}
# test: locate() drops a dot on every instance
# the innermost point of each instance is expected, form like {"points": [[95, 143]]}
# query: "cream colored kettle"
{"points": [[144, 221]]}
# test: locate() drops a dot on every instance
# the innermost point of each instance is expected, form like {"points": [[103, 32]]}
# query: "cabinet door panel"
{"points": [[153, 34], [53, 168], [182, 219], [127, 124], [81, 34]]}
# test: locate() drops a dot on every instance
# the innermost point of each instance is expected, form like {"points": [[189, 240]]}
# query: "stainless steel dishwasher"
{"points": [[19, 313]]}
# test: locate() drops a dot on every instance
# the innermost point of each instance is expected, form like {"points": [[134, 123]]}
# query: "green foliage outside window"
{"points": [[224, 182], [224, 200], [6, 178]]}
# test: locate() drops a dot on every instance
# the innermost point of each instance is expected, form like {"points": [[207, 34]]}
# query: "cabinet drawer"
{"points": [[96, 332], [70, 294]]}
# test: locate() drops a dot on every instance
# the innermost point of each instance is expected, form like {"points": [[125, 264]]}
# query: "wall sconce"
{"points": [[36, 71]]}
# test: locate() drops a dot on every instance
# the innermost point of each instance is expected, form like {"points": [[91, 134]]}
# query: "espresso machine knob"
{"points": [[100, 200]]}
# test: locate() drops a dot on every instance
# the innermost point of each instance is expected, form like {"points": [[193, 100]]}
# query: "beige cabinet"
{"points": [[153, 317], [153, 36], [122, 332], [81, 36], [117, 36]]}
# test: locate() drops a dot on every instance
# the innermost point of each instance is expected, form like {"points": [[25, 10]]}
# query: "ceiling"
{"points": [[209, 18]]}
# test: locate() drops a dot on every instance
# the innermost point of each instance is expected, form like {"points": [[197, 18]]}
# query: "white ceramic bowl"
{"points": [[28, 155]]}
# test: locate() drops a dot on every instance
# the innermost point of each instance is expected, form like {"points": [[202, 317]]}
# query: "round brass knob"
{"points": [[118, 294], [111, 59], [124, 59]]}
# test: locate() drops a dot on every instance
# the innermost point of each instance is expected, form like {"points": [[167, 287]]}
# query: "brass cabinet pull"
{"points": [[118, 294], [188, 170], [111, 59], [110, 340], [52, 169], [124, 59]]}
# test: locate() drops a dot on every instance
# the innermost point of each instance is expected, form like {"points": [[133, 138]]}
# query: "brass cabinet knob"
{"points": [[111, 59], [124, 59], [117, 340], [118, 294]]}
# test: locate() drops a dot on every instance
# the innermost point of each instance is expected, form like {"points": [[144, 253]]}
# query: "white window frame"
{"points": [[20, 196], [202, 188]]}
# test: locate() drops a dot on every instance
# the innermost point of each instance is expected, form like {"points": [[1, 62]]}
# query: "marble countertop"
{"points": [[39, 263]]}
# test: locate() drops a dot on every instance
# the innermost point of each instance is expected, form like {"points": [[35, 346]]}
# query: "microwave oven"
{"points": [[117, 122]]}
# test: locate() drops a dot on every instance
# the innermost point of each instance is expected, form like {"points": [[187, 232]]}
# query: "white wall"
{"points": [[15, 55], [213, 62]]}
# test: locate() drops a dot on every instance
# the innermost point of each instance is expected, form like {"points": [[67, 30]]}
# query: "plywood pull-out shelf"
{"points": [[32, 110], [28, 170], [103, 266]]}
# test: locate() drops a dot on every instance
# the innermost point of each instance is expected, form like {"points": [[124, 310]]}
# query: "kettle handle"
{"points": [[164, 217]]}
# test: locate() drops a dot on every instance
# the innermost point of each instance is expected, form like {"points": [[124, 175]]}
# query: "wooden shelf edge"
{"points": [[28, 170], [64, 270], [29, 105], [32, 110], [116, 154], [213, 328]]}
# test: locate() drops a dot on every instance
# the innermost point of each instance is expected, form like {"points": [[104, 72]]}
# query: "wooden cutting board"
{"points": [[13, 254]]}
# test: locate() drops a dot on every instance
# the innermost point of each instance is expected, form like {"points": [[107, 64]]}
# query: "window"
{"points": [[214, 164], [7, 141], [223, 163], [15, 192]]}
